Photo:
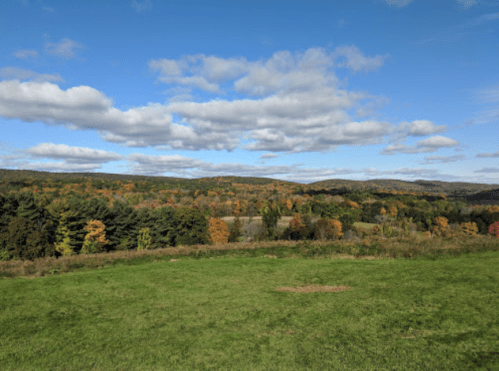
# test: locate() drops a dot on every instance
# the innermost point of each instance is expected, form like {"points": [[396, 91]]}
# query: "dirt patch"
{"points": [[313, 288]]}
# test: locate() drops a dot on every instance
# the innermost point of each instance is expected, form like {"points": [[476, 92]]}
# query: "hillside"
{"points": [[471, 191]]}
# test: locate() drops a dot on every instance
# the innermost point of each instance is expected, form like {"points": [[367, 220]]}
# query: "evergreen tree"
{"points": [[235, 230], [191, 227]]}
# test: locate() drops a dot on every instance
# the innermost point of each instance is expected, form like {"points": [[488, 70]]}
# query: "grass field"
{"points": [[229, 313]]}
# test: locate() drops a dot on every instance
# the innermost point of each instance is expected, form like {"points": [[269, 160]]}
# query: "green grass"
{"points": [[225, 313]]}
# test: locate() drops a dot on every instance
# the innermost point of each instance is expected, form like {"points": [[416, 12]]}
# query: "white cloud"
{"points": [[293, 103], [141, 6], [22, 74], [26, 54], [437, 142], [354, 60], [64, 48], [424, 127], [402, 148], [48, 9], [72, 155]]}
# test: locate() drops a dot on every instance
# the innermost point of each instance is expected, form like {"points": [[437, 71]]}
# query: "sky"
{"points": [[293, 90]]}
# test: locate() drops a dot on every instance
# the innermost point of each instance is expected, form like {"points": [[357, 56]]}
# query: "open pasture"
{"points": [[256, 314]]}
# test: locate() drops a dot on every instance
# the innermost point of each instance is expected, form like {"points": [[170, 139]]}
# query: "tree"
{"points": [[440, 225], [271, 214], [329, 229], [191, 227], [63, 245], [494, 229], [95, 238], [23, 241], [235, 230], [297, 228], [469, 228], [144, 239], [218, 231]]}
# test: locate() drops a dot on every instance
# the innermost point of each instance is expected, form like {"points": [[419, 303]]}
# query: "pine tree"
{"points": [[235, 230]]}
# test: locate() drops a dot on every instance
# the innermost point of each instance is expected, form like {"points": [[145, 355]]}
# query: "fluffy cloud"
{"points": [[290, 103], [72, 155], [431, 144], [64, 48], [437, 141]]}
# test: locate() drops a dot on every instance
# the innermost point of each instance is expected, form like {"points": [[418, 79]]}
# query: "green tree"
{"points": [[191, 227], [144, 239], [235, 230]]}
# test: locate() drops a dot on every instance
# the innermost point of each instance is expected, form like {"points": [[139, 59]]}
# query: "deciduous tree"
{"points": [[95, 238], [218, 231]]}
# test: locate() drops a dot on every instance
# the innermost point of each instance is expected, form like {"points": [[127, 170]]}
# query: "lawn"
{"points": [[228, 313]]}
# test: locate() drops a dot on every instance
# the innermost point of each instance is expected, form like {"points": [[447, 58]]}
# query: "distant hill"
{"points": [[456, 189], [474, 192], [485, 197]]}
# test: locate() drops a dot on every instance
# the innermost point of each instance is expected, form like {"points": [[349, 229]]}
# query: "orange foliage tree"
{"points": [[440, 225], [218, 230], [95, 238], [327, 229], [297, 229]]}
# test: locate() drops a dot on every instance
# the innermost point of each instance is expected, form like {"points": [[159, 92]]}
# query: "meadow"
{"points": [[293, 307]]}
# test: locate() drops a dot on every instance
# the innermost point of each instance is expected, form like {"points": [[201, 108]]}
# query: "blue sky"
{"points": [[294, 90]]}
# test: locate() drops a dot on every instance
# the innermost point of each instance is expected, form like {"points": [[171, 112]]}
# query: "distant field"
{"points": [[242, 313]]}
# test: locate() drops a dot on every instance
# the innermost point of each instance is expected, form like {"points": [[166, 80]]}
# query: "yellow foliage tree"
{"points": [[440, 225], [64, 247], [218, 231], [95, 238], [493, 209], [469, 228], [383, 211]]}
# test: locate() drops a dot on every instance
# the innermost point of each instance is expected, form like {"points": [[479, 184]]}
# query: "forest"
{"points": [[54, 214]]}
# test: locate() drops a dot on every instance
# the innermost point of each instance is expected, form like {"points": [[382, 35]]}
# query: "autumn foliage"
{"points": [[218, 231], [95, 238], [494, 229], [329, 229], [469, 228], [440, 225]]}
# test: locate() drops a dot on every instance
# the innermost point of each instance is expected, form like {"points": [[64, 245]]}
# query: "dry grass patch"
{"points": [[313, 288]]}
